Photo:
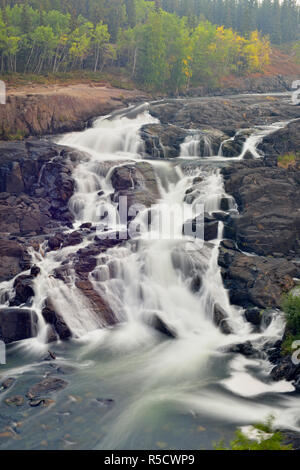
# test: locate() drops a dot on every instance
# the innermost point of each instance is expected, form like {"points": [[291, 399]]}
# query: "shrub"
{"points": [[291, 307], [267, 439], [287, 160]]}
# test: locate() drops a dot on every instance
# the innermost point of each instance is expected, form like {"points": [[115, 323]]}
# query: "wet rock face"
{"points": [[269, 204], [136, 182], [283, 141], [162, 140], [56, 321], [13, 259], [221, 113], [255, 280], [36, 185], [17, 324], [220, 318]]}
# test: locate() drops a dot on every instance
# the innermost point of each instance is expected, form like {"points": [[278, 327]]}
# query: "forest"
{"points": [[162, 44]]}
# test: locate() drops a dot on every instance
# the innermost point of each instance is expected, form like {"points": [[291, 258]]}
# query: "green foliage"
{"points": [[266, 439], [286, 347], [161, 50], [291, 307]]}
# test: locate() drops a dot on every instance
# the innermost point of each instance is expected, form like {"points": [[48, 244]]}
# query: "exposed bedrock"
{"points": [[269, 205], [255, 280], [227, 115], [282, 141], [36, 185], [220, 120], [165, 140], [53, 109]]}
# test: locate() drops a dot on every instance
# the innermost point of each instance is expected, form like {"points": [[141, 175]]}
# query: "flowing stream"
{"points": [[131, 387]]}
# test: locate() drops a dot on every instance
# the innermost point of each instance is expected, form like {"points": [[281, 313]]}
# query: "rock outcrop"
{"points": [[52, 109], [255, 280], [17, 324]]}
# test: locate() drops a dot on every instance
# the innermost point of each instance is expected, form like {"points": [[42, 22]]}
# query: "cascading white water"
{"points": [[257, 136], [196, 145], [152, 376]]}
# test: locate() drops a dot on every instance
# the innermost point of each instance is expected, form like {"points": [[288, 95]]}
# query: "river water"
{"points": [[130, 387]]}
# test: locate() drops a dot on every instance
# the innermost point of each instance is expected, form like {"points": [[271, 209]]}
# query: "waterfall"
{"points": [[154, 380], [196, 145]]}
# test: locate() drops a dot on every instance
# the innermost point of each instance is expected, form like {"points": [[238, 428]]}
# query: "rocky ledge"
{"points": [[213, 119], [39, 110], [260, 257]]}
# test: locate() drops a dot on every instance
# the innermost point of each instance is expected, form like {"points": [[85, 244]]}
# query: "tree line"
{"points": [[280, 19], [157, 48]]}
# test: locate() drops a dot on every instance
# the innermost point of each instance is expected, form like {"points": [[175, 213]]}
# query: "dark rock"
{"points": [[48, 385], [254, 280], [12, 256], [268, 201], [246, 349], [196, 283], [283, 141], [23, 286], [87, 225], [221, 320], [35, 271], [285, 370], [137, 182], [158, 324], [56, 320], [36, 176], [74, 238], [162, 140], [225, 204], [236, 112], [253, 315], [17, 324], [194, 227], [56, 241]]}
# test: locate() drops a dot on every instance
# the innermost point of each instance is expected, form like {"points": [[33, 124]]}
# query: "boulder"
{"points": [[23, 286], [253, 315], [17, 324], [160, 325], [220, 318], [56, 320], [246, 349]]}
